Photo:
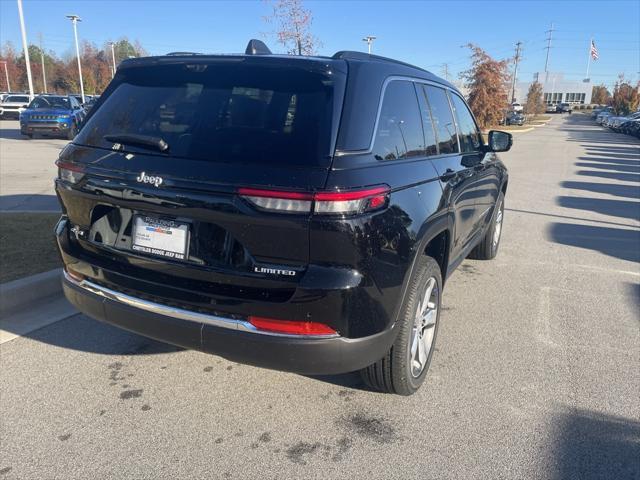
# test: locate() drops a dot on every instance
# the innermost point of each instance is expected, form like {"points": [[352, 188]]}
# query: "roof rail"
{"points": [[352, 55], [181, 54], [256, 47]]}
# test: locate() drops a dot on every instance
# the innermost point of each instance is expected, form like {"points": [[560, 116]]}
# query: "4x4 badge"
{"points": [[144, 178]]}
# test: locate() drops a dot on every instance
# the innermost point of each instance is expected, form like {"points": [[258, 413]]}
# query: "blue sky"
{"points": [[425, 33]]}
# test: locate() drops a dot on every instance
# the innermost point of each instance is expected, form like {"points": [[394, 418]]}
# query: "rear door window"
{"points": [[442, 119], [399, 131], [467, 128], [430, 140], [228, 113]]}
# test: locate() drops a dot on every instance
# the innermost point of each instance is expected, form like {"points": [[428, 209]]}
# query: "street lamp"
{"points": [[113, 57], [369, 39], [26, 49], [74, 20]]}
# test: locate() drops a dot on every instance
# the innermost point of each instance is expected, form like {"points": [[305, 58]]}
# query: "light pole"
{"points": [[369, 39], [74, 20], [6, 72], [113, 57], [44, 75], [515, 72], [26, 49]]}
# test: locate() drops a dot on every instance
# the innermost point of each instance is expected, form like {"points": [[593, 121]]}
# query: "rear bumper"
{"points": [[228, 337]]}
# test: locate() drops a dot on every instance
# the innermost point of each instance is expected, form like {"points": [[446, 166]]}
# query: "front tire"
{"points": [[404, 368], [487, 249]]}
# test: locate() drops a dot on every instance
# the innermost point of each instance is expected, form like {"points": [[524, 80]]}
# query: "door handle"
{"points": [[447, 175]]}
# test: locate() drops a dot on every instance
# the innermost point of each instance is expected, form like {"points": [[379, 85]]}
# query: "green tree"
{"points": [[600, 95], [487, 81], [534, 104], [625, 97]]}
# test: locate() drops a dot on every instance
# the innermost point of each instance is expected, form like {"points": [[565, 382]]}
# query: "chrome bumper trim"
{"points": [[179, 313]]}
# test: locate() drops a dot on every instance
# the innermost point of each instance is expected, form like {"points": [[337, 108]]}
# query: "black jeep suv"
{"points": [[295, 213]]}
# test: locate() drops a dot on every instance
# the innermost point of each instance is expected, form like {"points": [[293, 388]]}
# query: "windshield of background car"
{"points": [[50, 102], [16, 99], [230, 113]]}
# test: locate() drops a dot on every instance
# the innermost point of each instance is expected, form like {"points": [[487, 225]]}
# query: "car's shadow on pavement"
{"points": [[87, 335], [615, 242], [28, 202], [84, 334], [10, 130], [592, 446], [611, 170]]}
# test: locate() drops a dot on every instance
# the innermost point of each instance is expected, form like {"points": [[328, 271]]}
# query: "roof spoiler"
{"points": [[256, 47]]}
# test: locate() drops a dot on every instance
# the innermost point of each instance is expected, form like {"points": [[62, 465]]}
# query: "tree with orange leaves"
{"points": [[487, 81]]}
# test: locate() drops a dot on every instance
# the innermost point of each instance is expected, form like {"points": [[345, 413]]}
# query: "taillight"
{"points": [[291, 327], [70, 172], [344, 203], [277, 201], [78, 277], [321, 203]]}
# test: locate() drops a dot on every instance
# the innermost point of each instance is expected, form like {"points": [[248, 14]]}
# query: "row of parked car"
{"points": [[629, 124], [51, 115]]}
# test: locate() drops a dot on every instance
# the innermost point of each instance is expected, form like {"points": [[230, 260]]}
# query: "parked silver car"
{"points": [[13, 105]]}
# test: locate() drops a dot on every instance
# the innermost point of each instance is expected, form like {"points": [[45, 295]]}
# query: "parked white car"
{"points": [[516, 107], [13, 105]]}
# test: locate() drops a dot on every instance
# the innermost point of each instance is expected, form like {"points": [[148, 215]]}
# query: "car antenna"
{"points": [[256, 47]]}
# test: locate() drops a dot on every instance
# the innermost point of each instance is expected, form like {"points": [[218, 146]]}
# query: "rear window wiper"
{"points": [[133, 139]]}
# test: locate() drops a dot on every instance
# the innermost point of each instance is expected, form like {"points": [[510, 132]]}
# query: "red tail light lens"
{"points": [[78, 277], [322, 203], [70, 172], [345, 203], [278, 201], [291, 327]]}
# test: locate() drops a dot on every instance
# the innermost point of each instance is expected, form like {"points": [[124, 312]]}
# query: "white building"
{"points": [[556, 89]]}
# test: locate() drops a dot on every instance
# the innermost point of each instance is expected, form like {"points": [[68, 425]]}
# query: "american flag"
{"points": [[594, 50]]}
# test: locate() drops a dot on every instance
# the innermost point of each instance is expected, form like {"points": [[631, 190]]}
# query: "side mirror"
{"points": [[499, 141]]}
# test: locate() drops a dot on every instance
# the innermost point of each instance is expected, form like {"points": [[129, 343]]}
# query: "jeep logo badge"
{"points": [[144, 178]]}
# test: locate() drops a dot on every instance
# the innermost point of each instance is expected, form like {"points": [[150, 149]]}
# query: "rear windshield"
{"points": [[229, 113]]}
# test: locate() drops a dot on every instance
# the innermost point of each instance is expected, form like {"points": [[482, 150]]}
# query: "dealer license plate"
{"points": [[164, 238]]}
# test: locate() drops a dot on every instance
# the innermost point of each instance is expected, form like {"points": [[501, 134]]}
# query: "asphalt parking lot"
{"points": [[536, 373], [26, 170]]}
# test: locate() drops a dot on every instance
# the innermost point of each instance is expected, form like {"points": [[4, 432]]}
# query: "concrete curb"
{"points": [[18, 294]]}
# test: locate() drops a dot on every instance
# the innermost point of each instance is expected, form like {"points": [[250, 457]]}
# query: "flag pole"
{"points": [[589, 58]]}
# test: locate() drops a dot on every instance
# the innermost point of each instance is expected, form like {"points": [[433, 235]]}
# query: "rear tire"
{"points": [[404, 368], [487, 249]]}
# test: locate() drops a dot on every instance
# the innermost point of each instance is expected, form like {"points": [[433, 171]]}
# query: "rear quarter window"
{"points": [[399, 131], [229, 113]]}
